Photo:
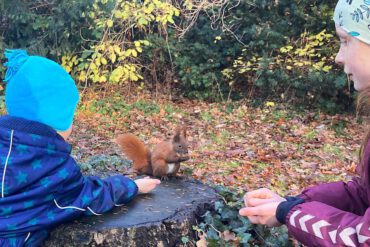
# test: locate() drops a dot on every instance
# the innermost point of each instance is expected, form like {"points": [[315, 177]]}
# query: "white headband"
{"points": [[354, 17]]}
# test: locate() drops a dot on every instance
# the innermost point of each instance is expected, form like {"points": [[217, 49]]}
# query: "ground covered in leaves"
{"points": [[235, 145]]}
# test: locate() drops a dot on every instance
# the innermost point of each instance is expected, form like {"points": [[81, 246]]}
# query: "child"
{"points": [[333, 214], [41, 185]]}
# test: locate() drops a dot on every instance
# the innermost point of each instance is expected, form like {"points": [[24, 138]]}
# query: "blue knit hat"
{"points": [[39, 89]]}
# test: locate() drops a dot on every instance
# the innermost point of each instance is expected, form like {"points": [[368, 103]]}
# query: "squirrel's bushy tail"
{"points": [[136, 151]]}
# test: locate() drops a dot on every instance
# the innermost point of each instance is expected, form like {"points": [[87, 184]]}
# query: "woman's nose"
{"points": [[339, 58]]}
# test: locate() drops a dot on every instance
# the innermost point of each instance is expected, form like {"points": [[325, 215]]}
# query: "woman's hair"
{"points": [[363, 108]]}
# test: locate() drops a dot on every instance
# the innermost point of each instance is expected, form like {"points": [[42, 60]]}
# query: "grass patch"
{"points": [[330, 149], [206, 116], [260, 166], [311, 135], [231, 164], [147, 107], [221, 138]]}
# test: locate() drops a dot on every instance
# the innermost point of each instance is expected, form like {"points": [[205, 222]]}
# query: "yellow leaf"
{"points": [[96, 78], [170, 20], [103, 79], [118, 14], [117, 49], [133, 77], [97, 61], [109, 23], [113, 57], [93, 66], [127, 52], [327, 68], [82, 76], [68, 69], [270, 103], [150, 8]]}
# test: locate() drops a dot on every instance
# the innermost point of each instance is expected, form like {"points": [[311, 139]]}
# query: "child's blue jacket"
{"points": [[41, 185]]}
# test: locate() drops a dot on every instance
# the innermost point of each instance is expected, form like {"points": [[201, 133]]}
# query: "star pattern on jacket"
{"points": [[85, 199], [63, 173], [51, 149], [45, 182], [49, 198], [36, 164], [50, 215], [21, 177], [28, 204], [33, 222], [3, 160], [11, 227], [6, 211], [22, 149], [35, 137]]}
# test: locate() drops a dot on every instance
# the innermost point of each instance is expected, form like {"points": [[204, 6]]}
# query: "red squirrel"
{"points": [[165, 158]]}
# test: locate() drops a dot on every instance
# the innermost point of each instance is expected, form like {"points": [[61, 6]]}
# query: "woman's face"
{"points": [[354, 55]]}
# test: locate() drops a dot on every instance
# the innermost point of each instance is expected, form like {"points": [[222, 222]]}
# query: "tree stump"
{"points": [[160, 218]]}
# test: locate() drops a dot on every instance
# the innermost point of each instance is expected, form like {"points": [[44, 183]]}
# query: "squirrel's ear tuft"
{"points": [[184, 132], [181, 129], [176, 137]]}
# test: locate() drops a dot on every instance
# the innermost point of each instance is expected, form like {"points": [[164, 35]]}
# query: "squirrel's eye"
{"points": [[180, 146]]}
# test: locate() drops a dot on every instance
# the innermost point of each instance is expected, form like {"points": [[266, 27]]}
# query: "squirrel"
{"points": [[165, 158]]}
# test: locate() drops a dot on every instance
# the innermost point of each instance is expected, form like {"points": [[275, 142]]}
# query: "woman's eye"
{"points": [[343, 42]]}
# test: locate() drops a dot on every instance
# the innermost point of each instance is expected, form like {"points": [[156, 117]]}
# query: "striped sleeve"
{"points": [[319, 224]]}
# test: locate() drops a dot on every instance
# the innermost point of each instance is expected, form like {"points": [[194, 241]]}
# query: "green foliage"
{"points": [[48, 28], [117, 107], [202, 57], [100, 163], [2, 105], [260, 49], [95, 40], [264, 49], [113, 59], [148, 108], [225, 227]]}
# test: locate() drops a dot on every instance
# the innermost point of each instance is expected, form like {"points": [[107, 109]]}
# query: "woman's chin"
{"points": [[358, 87]]}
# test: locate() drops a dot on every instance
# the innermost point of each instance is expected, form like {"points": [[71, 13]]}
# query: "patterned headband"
{"points": [[354, 17]]}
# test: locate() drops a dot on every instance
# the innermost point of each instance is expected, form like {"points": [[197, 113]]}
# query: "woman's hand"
{"points": [[260, 207], [147, 184]]}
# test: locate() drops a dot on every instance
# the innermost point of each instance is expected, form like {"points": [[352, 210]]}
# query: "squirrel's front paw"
{"points": [[184, 158], [178, 176], [164, 178]]}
